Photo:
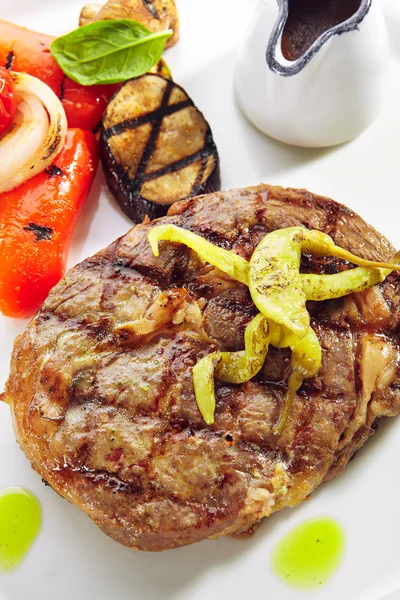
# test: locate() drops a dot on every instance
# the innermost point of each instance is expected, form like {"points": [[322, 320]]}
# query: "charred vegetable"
{"points": [[88, 14], [161, 68], [157, 15], [25, 51], [37, 133], [156, 147], [37, 220]]}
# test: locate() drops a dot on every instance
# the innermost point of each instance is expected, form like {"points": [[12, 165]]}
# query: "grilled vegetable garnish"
{"points": [[157, 15], [88, 14], [26, 51], [161, 68], [37, 220], [156, 147]]}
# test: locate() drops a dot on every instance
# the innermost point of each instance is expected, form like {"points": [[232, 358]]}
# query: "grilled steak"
{"points": [[101, 381]]}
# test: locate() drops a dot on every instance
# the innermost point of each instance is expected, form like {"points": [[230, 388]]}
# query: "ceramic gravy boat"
{"points": [[313, 72]]}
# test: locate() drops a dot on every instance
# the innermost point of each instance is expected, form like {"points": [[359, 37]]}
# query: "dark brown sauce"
{"points": [[308, 19]]}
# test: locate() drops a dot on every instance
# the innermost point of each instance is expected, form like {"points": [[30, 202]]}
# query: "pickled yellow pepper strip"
{"points": [[239, 367], [327, 287], [319, 243], [204, 386], [306, 362], [274, 280], [233, 265], [276, 286], [231, 367], [306, 351]]}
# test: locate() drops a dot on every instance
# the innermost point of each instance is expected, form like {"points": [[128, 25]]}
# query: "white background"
{"points": [[72, 559]]}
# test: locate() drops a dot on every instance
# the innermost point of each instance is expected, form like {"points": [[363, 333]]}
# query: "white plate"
{"points": [[72, 559]]}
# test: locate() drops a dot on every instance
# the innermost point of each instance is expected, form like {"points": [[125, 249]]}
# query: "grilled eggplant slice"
{"points": [[156, 147], [157, 15]]}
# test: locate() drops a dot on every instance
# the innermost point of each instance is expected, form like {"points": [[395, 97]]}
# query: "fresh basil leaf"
{"points": [[108, 51]]}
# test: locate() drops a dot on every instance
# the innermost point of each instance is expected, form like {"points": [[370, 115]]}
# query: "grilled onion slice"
{"points": [[156, 147], [36, 136]]}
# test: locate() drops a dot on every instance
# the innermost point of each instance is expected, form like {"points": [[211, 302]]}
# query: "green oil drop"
{"points": [[309, 555], [20, 522]]}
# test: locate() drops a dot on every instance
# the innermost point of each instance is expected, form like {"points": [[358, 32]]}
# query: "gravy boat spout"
{"points": [[313, 74]]}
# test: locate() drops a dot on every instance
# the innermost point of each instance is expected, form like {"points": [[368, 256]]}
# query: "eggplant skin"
{"points": [[124, 189], [190, 167], [126, 194]]}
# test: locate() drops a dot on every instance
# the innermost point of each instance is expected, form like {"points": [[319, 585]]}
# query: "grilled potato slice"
{"points": [[157, 15], [156, 147], [88, 14], [161, 68]]}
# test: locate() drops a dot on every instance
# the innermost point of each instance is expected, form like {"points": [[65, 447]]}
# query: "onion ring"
{"points": [[36, 136]]}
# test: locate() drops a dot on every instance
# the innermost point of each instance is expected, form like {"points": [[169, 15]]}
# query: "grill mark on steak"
{"points": [[113, 482], [59, 313], [147, 267], [323, 265], [130, 426], [100, 329], [165, 279], [216, 238]]}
